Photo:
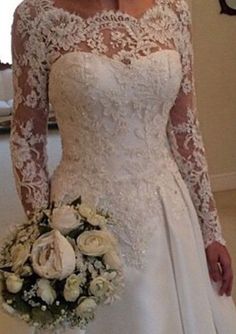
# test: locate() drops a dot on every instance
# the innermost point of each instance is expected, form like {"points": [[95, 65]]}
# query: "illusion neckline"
{"points": [[117, 13]]}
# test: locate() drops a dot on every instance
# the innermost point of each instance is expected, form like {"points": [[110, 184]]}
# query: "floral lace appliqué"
{"points": [[41, 35]]}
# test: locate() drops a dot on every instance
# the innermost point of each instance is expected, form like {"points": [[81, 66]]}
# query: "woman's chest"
{"points": [[96, 89], [87, 9]]}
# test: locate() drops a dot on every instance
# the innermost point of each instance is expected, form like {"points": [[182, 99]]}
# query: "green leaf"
{"points": [[21, 306], [44, 229], [74, 234], [43, 317], [44, 219], [64, 305], [17, 302], [77, 201]]}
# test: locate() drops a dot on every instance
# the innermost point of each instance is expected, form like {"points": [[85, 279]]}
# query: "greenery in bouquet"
{"points": [[57, 267]]}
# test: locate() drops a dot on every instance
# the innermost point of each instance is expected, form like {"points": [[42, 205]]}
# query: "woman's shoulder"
{"points": [[29, 9], [178, 5], [27, 12], [182, 10]]}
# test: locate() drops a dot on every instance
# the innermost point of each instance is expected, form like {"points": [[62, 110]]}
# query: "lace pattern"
{"points": [[121, 147], [42, 33]]}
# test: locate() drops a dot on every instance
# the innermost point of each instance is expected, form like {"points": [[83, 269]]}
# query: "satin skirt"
{"points": [[174, 293]]}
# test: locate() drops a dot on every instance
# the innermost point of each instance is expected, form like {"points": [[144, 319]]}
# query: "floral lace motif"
{"points": [[121, 147], [42, 33]]}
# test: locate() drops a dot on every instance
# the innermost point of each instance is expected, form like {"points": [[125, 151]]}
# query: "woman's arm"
{"points": [[186, 143], [28, 135], [185, 136]]}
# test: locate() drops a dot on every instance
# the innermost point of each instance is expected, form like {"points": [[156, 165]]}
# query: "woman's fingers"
{"points": [[225, 284], [227, 274], [220, 266], [214, 269]]}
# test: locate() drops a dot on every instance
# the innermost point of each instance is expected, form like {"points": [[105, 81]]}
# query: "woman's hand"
{"points": [[220, 266]]}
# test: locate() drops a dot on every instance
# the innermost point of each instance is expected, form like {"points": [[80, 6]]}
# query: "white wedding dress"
{"points": [[122, 90]]}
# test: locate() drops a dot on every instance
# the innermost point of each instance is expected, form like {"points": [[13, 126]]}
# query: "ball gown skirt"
{"points": [[173, 293]]}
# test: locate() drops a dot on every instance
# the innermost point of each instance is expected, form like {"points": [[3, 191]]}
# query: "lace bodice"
{"points": [[44, 36]]}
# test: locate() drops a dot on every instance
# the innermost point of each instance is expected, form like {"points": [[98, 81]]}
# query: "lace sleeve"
{"points": [[185, 136], [28, 134]]}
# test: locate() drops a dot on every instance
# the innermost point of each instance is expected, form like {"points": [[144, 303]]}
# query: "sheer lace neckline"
{"points": [[118, 13]]}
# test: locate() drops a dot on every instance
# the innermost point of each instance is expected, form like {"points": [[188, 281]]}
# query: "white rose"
{"points": [[72, 288], [14, 283], [19, 255], [113, 260], [95, 243], [26, 271], [99, 286], [86, 308], [64, 219], [45, 291], [97, 220], [91, 215], [86, 211], [53, 256]]}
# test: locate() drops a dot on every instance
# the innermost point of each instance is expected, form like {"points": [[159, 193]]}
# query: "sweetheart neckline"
{"points": [[113, 60]]}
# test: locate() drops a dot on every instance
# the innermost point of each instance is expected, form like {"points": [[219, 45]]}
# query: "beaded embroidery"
{"points": [[42, 36]]}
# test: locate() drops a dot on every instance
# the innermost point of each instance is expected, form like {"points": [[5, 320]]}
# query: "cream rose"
{"points": [[86, 308], [19, 255], [72, 288], [64, 219], [97, 220], [45, 291], [53, 256], [99, 286], [95, 243], [14, 283], [113, 260], [26, 271], [86, 211], [91, 215]]}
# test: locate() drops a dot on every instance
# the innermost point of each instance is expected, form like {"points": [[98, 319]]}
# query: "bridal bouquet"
{"points": [[59, 266]]}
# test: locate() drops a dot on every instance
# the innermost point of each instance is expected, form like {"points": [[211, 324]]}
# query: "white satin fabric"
{"points": [[174, 294], [113, 110], [169, 289]]}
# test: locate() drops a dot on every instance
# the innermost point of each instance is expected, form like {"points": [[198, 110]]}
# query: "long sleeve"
{"points": [[185, 136], [28, 136]]}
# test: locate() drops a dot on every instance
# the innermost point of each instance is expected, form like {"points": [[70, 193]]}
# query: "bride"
{"points": [[119, 77]]}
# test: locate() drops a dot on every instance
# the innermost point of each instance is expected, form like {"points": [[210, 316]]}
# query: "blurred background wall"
{"points": [[214, 36]]}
